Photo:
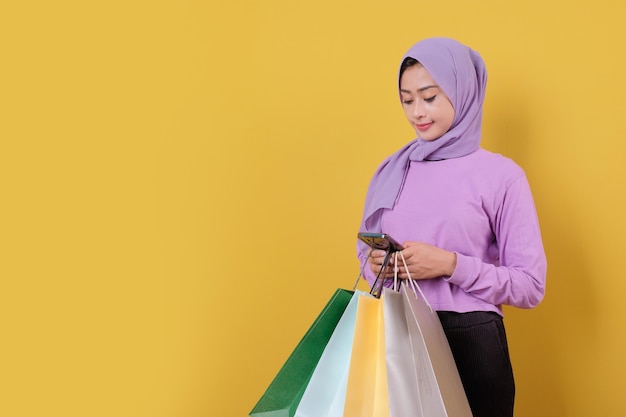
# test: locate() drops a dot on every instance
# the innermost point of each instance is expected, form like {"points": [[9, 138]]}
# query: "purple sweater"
{"points": [[481, 207]]}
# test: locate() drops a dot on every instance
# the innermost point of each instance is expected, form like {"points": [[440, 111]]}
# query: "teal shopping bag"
{"points": [[286, 390]]}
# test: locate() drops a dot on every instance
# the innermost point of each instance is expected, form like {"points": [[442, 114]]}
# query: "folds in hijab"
{"points": [[460, 72]]}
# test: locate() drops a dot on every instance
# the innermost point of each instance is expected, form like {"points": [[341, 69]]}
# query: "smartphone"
{"points": [[380, 241]]}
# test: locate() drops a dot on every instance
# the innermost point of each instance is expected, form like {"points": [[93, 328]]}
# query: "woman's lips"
{"points": [[423, 126]]}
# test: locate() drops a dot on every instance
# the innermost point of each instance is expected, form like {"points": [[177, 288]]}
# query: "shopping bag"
{"points": [[402, 370], [366, 392], [326, 392], [440, 389], [284, 393]]}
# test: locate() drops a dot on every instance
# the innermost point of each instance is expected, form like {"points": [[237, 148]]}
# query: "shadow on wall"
{"points": [[538, 338]]}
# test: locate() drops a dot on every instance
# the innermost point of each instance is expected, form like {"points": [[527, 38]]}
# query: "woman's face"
{"points": [[426, 106]]}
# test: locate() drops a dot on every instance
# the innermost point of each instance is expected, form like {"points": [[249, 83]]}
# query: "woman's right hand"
{"points": [[376, 263]]}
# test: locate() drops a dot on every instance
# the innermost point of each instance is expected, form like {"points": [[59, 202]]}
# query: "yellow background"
{"points": [[181, 183]]}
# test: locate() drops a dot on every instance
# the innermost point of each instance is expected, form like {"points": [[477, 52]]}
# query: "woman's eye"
{"points": [[430, 99], [407, 101]]}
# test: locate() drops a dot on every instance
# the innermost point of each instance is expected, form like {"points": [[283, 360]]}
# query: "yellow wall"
{"points": [[181, 183]]}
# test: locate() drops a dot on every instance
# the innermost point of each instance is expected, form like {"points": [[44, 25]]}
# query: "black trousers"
{"points": [[480, 350]]}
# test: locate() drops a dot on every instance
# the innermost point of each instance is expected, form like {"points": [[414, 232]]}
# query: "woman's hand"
{"points": [[376, 262], [423, 261]]}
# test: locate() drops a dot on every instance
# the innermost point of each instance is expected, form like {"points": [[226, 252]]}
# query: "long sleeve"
{"points": [[519, 279]]}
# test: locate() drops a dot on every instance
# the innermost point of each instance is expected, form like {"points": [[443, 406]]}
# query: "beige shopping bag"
{"points": [[440, 389]]}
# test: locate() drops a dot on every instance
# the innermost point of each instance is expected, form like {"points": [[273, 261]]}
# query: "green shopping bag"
{"points": [[286, 390]]}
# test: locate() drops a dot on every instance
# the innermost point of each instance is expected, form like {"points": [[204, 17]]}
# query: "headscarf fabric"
{"points": [[460, 72]]}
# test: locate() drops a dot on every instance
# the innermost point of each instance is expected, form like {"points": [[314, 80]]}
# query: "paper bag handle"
{"points": [[410, 281]]}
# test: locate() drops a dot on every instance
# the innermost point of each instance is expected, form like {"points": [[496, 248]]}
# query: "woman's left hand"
{"points": [[425, 261]]}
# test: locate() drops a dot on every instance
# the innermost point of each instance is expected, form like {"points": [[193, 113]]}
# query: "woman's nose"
{"points": [[419, 110]]}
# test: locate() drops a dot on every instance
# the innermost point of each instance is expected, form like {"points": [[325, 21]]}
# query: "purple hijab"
{"points": [[461, 74]]}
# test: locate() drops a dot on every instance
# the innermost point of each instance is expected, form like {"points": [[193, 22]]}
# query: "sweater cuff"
{"points": [[463, 271]]}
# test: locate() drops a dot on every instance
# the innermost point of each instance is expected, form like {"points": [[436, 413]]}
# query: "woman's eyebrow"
{"points": [[419, 90]]}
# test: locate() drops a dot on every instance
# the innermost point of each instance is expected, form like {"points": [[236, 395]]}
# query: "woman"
{"points": [[465, 217]]}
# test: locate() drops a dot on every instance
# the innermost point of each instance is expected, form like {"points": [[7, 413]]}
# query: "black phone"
{"points": [[381, 241]]}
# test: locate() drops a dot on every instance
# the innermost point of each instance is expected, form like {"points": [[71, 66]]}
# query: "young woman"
{"points": [[465, 217]]}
